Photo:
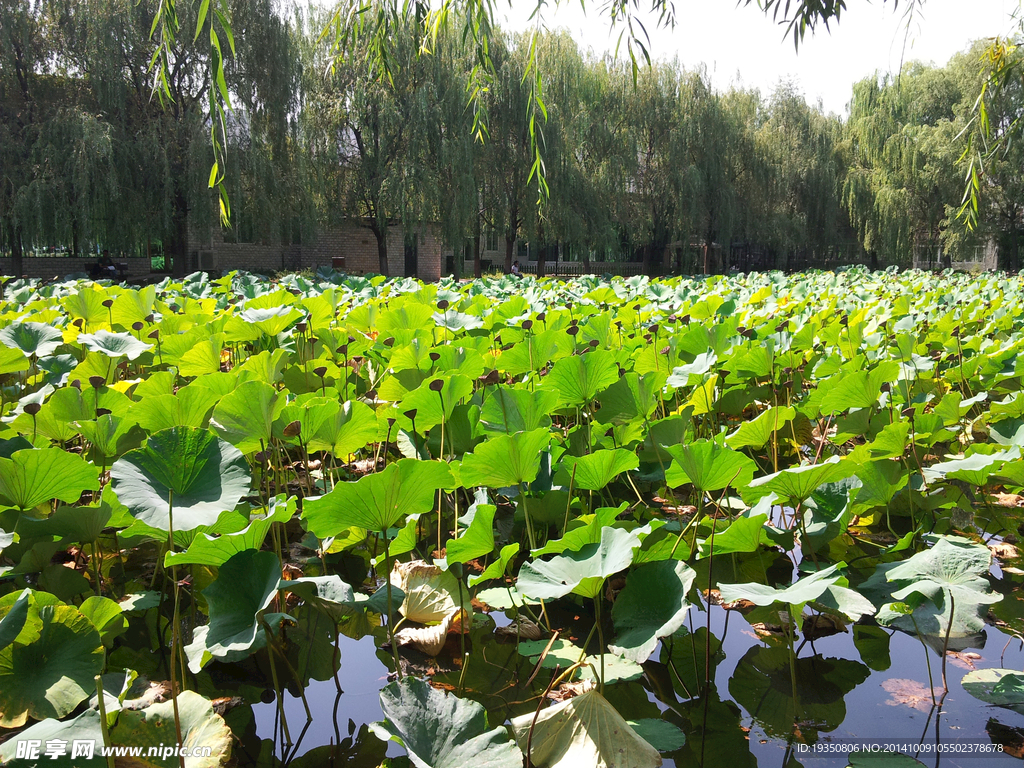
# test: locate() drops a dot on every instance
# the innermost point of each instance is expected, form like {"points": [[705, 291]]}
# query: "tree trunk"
{"points": [[380, 234], [873, 255], [586, 260], [542, 256], [476, 251], [17, 252], [510, 246], [179, 248]]}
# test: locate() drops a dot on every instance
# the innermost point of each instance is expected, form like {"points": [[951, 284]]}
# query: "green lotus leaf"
{"points": [[587, 530], [271, 320], [106, 616], [708, 466], [798, 483], [563, 654], [111, 436], [594, 471], [244, 588], [582, 572], [859, 389], [506, 411], [114, 344], [585, 730], [200, 727], [434, 407], [578, 379], [336, 598], [1001, 687], [376, 502], [199, 474], [202, 358], [36, 339], [505, 460], [974, 469], [311, 411], [660, 734], [440, 730], [744, 534], [702, 364], [13, 361], [953, 568], [346, 431], [206, 549], [505, 597], [189, 407], [31, 623], [800, 592], [133, 306], [13, 620], [653, 605], [632, 398], [475, 541], [31, 477], [87, 305], [85, 727], [245, 417], [54, 673], [496, 569], [757, 432]]}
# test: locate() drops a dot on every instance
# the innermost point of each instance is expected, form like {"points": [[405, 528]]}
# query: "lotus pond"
{"points": [[334, 520]]}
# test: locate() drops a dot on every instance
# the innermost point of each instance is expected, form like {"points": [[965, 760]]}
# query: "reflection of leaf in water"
{"points": [[683, 653], [908, 693], [713, 735], [358, 748], [873, 644], [762, 684], [1011, 738]]}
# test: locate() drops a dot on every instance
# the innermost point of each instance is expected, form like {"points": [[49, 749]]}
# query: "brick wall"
{"points": [[353, 245]]}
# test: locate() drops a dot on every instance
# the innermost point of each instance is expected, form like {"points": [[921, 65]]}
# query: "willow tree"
{"points": [[23, 50], [899, 181], [800, 176], [721, 162], [506, 149], [378, 140], [107, 163]]}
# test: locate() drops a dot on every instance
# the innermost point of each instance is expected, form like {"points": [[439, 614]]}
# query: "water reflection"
{"points": [[848, 685]]}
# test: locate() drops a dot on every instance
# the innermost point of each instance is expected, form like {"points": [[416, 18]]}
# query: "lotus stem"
{"points": [[277, 685], [568, 506], [600, 639], [96, 568], [462, 630], [526, 514], [945, 642], [175, 638], [462, 674], [927, 658], [103, 720], [391, 610], [295, 676]]}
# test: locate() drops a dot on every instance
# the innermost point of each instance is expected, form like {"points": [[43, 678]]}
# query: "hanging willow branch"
{"points": [[355, 20], [165, 30]]}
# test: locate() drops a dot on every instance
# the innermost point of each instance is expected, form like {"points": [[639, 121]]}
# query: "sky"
{"points": [[743, 46]]}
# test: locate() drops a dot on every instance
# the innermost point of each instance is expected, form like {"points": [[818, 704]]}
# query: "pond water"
{"points": [[865, 683]]}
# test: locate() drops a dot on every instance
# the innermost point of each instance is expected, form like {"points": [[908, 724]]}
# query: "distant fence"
{"points": [[980, 258], [577, 268]]}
